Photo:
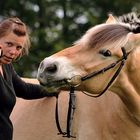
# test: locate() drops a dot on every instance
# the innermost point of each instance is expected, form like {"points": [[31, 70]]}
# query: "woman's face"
{"points": [[12, 46]]}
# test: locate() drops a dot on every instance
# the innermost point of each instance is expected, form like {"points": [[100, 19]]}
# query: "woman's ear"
{"points": [[111, 19]]}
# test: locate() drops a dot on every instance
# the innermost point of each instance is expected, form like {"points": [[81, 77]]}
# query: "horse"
{"points": [[103, 63]]}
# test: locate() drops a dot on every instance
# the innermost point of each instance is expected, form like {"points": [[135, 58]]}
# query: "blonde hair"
{"points": [[19, 28]]}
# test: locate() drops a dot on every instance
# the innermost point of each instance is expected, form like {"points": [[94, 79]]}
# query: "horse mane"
{"points": [[109, 35], [133, 19]]}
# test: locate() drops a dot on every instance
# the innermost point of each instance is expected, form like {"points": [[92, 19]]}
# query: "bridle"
{"points": [[72, 97], [121, 61]]}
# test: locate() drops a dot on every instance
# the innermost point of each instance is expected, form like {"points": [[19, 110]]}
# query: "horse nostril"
{"points": [[51, 68]]}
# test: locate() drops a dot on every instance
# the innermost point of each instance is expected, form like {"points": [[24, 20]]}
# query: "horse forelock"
{"points": [[109, 35]]}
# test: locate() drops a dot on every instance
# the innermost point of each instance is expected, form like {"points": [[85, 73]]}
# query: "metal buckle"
{"points": [[75, 81]]}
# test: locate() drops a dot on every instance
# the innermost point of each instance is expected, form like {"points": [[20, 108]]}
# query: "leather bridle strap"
{"points": [[57, 118], [122, 60], [112, 65], [70, 115], [71, 110]]}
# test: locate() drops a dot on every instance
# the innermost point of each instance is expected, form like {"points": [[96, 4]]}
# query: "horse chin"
{"points": [[55, 86], [61, 84]]}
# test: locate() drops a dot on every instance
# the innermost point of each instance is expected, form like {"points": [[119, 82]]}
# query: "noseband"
{"points": [[72, 97]]}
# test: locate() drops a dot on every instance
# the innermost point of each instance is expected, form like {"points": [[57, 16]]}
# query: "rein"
{"points": [[70, 114], [72, 97]]}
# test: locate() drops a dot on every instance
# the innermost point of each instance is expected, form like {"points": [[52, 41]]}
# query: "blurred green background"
{"points": [[56, 24]]}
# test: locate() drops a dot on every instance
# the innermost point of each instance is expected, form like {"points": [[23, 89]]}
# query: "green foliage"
{"points": [[56, 24]]}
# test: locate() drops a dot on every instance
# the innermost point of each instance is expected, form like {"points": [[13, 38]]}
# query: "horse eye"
{"points": [[105, 52]]}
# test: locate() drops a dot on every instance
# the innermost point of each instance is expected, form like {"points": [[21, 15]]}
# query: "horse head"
{"points": [[98, 48]]}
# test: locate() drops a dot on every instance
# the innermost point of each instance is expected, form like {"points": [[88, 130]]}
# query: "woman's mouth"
{"points": [[7, 59]]}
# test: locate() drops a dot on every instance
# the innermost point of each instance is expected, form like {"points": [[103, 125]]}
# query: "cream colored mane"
{"points": [[105, 35]]}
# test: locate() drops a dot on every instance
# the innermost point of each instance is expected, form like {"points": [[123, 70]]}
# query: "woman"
{"points": [[14, 43]]}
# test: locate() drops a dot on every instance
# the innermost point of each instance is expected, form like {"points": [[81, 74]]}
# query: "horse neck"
{"points": [[127, 86]]}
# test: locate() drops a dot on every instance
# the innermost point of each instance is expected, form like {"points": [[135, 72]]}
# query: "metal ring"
{"points": [[75, 81]]}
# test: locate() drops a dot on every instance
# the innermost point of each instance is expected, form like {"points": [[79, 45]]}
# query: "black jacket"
{"points": [[10, 87]]}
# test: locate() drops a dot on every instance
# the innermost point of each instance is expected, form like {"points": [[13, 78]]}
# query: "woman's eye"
{"points": [[19, 47], [9, 44], [105, 52]]}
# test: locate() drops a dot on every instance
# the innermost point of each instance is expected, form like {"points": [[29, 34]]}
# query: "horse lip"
{"points": [[57, 83]]}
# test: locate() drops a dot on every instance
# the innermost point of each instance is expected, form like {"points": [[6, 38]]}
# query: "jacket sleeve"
{"points": [[27, 90]]}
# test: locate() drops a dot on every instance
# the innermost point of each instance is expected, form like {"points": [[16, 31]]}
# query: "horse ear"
{"points": [[111, 19], [134, 40], [134, 37]]}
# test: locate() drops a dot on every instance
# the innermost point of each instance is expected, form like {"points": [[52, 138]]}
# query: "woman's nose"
{"points": [[14, 52]]}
